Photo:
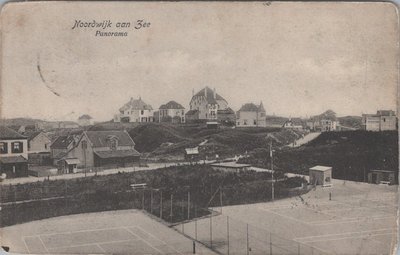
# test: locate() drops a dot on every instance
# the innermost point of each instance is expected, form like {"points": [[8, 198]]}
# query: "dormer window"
{"points": [[113, 142], [16, 147], [3, 148]]}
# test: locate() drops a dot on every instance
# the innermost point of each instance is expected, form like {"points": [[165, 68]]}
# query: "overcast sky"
{"points": [[300, 59]]}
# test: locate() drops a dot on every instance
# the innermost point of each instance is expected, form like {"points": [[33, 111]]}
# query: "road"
{"points": [[307, 138], [151, 166]]}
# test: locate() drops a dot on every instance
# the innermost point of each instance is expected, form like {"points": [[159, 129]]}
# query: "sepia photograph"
{"points": [[199, 127]]}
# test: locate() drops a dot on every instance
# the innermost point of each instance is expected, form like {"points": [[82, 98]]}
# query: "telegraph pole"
{"points": [[272, 170]]}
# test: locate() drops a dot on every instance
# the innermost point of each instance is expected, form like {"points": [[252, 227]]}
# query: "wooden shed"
{"points": [[321, 175], [381, 177]]}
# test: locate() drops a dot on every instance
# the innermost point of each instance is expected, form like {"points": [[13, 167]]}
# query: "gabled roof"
{"points": [[118, 153], [62, 142], [192, 112], [13, 159], [172, 105], [250, 107], [321, 168], [101, 138], [8, 133], [209, 95], [85, 117], [226, 111], [32, 135], [136, 104]]}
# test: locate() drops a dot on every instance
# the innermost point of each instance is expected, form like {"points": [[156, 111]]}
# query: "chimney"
{"points": [[215, 94], [205, 92]]}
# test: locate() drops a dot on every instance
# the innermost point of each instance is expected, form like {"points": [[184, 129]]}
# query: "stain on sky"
{"points": [[44, 81]]}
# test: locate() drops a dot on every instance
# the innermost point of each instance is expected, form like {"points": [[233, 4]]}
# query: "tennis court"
{"points": [[359, 218], [127, 231]]}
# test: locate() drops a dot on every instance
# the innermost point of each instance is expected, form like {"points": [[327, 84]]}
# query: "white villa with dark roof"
{"points": [[205, 105], [136, 110], [13, 153], [171, 112], [251, 115]]}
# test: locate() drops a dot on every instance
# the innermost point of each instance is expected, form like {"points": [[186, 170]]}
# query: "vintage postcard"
{"points": [[199, 128]]}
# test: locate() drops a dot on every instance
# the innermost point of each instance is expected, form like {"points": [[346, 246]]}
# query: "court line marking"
{"points": [[145, 241], [90, 244], [285, 216], [101, 248], [349, 220], [26, 246], [350, 237], [47, 251], [346, 233], [313, 247], [78, 231], [159, 239]]}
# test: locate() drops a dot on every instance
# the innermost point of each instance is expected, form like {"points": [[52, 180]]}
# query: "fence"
{"points": [[226, 235], [176, 203]]}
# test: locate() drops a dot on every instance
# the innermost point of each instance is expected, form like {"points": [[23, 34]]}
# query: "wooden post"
{"points": [[151, 201], [227, 231], [220, 198], [143, 200], [270, 243], [161, 205], [188, 210], [170, 213], [211, 230], [247, 239]]}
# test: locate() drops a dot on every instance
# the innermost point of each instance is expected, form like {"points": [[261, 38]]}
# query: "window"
{"points": [[113, 144], [16, 147], [3, 148], [245, 122], [84, 144], [142, 112], [45, 146], [255, 122]]}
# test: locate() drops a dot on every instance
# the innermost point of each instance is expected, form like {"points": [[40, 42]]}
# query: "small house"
{"points": [[107, 149], [38, 142], [39, 148], [251, 115], [320, 175], [212, 124], [13, 153], [381, 177], [68, 165], [171, 112], [135, 110], [61, 145], [230, 167], [192, 154]]}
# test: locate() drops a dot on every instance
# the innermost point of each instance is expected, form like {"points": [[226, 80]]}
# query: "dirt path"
{"points": [[307, 138]]}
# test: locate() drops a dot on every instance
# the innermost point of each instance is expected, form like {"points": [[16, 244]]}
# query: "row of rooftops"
{"points": [[210, 95], [97, 139]]}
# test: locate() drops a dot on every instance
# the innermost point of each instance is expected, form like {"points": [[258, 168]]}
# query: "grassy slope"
{"points": [[350, 153], [154, 138]]}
